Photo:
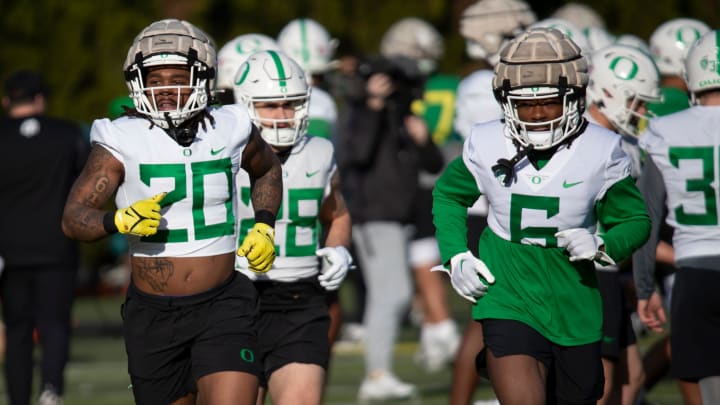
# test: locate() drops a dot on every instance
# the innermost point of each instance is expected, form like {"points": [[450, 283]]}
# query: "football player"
{"points": [[420, 42], [188, 318], [232, 55], [486, 26], [550, 179], [294, 321], [682, 162], [310, 44], [669, 43], [622, 81]]}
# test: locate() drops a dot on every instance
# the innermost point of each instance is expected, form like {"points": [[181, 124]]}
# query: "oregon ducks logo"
{"points": [[624, 68], [687, 35], [250, 46], [247, 355], [242, 76]]}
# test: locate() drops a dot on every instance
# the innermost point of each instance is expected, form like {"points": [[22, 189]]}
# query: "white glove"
{"points": [[464, 275], [582, 245], [336, 261]]}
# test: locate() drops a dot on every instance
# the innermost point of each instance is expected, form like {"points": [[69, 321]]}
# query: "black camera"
{"points": [[402, 71]]}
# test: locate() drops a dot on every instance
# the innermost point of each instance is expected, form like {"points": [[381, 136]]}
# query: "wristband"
{"points": [[266, 217], [108, 223]]}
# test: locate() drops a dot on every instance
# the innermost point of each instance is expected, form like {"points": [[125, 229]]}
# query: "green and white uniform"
{"points": [[322, 114], [198, 212], [307, 175], [582, 184]]}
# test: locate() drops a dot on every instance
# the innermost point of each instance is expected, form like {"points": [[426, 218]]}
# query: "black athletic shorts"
{"points": [[617, 325], [173, 341], [695, 326], [293, 324], [575, 373]]}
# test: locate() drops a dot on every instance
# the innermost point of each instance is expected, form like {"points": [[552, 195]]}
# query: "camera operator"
{"points": [[382, 147]]}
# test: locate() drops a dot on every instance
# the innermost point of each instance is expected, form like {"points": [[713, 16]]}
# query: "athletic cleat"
{"points": [[50, 397], [385, 386]]}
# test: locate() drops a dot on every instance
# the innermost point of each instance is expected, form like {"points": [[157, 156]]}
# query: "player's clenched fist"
{"points": [[258, 247], [141, 218]]}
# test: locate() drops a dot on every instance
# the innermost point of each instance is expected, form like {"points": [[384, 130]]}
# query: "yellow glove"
{"points": [[258, 247], [142, 218]]}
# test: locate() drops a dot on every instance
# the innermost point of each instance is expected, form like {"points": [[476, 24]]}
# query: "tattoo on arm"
{"points": [[265, 172], [82, 218]]}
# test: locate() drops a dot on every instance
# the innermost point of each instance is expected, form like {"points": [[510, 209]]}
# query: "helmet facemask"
{"points": [[195, 93], [282, 132], [172, 43], [527, 133]]}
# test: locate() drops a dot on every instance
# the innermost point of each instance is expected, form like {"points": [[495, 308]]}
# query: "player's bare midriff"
{"points": [[176, 276]]}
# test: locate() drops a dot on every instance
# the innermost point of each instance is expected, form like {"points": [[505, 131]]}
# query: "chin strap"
{"points": [[504, 170], [184, 136]]}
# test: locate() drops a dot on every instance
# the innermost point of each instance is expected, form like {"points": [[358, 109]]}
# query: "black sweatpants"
{"points": [[36, 297]]}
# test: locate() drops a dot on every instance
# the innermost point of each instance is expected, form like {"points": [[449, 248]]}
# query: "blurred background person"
{"points": [[669, 43], [40, 158], [381, 148], [232, 55], [622, 81], [419, 41], [309, 43]]}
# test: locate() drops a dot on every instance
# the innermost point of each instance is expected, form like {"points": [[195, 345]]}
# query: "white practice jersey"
{"points": [[198, 212], [307, 175], [685, 148], [555, 196], [475, 102], [322, 106], [632, 149]]}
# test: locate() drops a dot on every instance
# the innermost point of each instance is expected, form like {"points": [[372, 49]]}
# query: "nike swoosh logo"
{"points": [[568, 185], [310, 174], [215, 152]]}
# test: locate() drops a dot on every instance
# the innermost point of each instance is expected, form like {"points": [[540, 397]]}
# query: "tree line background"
{"points": [[80, 45]]}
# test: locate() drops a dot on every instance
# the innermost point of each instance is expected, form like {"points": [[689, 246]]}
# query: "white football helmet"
{"points": [[671, 40], [487, 25], [172, 43], [415, 39], [622, 77], [598, 38], [568, 28], [702, 65], [272, 76], [234, 53], [309, 43], [580, 15], [541, 63], [634, 40]]}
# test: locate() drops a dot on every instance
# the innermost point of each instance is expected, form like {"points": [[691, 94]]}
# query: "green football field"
{"points": [[97, 372]]}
